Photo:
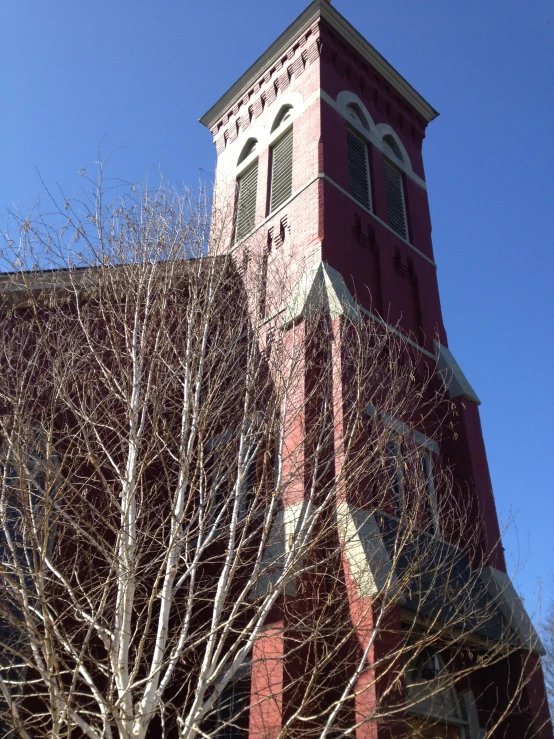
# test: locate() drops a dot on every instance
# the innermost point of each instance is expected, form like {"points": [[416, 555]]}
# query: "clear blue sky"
{"points": [[141, 73]]}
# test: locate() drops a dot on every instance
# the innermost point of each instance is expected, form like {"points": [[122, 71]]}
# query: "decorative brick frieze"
{"points": [[314, 51], [298, 66], [364, 234], [398, 264], [410, 268], [271, 94], [257, 107], [284, 228], [244, 120], [343, 58], [304, 51], [233, 133]]}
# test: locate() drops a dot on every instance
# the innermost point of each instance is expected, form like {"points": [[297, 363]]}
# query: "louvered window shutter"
{"points": [[281, 171], [358, 170], [394, 190], [246, 211]]}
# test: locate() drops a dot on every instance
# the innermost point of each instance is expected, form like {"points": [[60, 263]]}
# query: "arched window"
{"points": [[391, 147], [281, 161], [249, 148], [282, 117], [246, 206], [355, 114], [394, 187], [358, 169]]}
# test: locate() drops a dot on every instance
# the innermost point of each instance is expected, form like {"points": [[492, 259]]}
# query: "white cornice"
{"points": [[319, 9]]}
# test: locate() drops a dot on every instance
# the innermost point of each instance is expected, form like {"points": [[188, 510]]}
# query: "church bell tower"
{"points": [[319, 147]]}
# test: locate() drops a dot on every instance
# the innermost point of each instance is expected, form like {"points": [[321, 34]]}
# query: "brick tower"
{"points": [[324, 139]]}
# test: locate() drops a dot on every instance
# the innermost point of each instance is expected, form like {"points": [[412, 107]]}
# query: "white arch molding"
{"points": [[264, 134], [248, 149], [383, 130], [346, 98]]}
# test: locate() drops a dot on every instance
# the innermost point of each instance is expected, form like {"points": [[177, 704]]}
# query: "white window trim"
{"points": [[263, 133], [250, 140], [375, 133], [383, 129]]}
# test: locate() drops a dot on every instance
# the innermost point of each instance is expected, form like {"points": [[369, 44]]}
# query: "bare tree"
{"points": [[218, 511]]}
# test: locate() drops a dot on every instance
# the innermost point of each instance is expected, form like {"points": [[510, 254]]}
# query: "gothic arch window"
{"points": [[248, 149]]}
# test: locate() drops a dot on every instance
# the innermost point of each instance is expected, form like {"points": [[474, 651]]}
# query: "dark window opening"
{"points": [[233, 710], [358, 170], [246, 209], [281, 171], [396, 206]]}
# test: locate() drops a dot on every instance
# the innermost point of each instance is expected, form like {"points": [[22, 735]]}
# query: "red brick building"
{"points": [[324, 138]]}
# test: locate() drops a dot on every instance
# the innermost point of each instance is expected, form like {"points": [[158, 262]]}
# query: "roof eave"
{"points": [[323, 9]]}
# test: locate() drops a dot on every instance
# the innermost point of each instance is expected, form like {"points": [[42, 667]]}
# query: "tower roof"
{"points": [[319, 9]]}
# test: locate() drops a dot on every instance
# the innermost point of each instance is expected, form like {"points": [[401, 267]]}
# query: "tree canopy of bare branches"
{"points": [[217, 517]]}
